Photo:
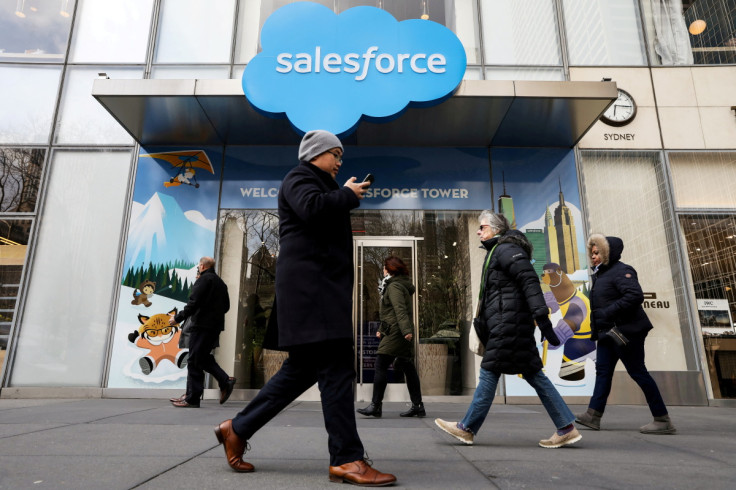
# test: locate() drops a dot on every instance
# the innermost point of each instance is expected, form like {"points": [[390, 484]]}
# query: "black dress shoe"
{"points": [[372, 410], [415, 411], [227, 391], [185, 404]]}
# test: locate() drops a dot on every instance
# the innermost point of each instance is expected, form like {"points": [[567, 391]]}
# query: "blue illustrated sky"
{"points": [[152, 173], [326, 71]]}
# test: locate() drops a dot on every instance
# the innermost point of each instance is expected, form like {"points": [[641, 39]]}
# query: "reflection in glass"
{"points": [[192, 31], [83, 120], [700, 32], [191, 72], [459, 16], [711, 251], [70, 286], [34, 31], [111, 32], [249, 240], [20, 176], [27, 100], [14, 235], [520, 32], [604, 32], [524, 73]]}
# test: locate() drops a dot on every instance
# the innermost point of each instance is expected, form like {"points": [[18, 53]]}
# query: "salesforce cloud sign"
{"points": [[326, 71]]}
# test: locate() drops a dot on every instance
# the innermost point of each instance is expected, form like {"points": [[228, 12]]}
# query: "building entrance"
{"points": [[370, 253]]}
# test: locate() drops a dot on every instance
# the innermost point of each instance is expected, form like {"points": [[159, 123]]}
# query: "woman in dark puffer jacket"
{"points": [[511, 301], [616, 301]]}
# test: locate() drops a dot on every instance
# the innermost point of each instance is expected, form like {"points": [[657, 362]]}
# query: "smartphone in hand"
{"points": [[369, 178]]}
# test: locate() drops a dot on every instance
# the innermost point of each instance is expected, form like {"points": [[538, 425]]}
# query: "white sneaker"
{"points": [[558, 441], [451, 428]]}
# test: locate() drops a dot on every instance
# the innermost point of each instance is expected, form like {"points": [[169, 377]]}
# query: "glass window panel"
{"points": [[237, 72], [111, 32], [473, 73], [20, 177], [701, 32], [711, 252], [190, 72], [27, 101], [524, 73], [520, 32], [83, 120], [459, 16], [642, 205], [704, 180], [34, 31], [604, 32], [192, 31], [14, 235], [82, 231]]}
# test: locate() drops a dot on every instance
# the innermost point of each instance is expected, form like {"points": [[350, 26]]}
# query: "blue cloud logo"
{"points": [[326, 71]]}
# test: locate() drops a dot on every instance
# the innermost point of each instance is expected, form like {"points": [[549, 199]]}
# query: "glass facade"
{"points": [[51, 52]]}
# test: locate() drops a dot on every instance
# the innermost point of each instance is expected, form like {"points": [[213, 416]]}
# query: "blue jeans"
{"points": [[486, 391]]}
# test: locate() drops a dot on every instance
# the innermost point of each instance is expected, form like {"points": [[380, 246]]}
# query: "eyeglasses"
{"points": [[337, 156], [155, 332], [480, 228]]}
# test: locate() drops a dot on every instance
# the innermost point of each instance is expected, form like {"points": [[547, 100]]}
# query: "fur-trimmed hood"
{"points": [[609, 248]]}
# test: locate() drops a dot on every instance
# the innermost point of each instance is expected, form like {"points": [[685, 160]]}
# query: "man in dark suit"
{"points": [[314, 284], [207, 306]]}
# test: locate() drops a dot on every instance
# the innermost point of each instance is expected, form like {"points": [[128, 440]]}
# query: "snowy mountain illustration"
{"points": [[160, 232]]}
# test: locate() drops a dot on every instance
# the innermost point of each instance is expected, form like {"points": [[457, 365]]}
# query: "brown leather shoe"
{"points": [[178, 399], [234, 447], [360, 473], [185, 404], [225, 394]]}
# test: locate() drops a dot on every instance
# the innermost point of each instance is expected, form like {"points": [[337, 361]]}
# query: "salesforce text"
{"points": [[384, 63]]}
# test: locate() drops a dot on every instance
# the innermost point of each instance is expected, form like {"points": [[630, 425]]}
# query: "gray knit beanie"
{"points": [[317, 142]]}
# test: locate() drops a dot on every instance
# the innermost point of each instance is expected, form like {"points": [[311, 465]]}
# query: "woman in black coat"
{"points": [[397, 339], [511, 301], [616, 301]]}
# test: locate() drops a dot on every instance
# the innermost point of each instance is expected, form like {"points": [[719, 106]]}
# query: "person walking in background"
{"points": [[616, 303], [397, 338], [510, 302], [206, 308], [314, 285]]}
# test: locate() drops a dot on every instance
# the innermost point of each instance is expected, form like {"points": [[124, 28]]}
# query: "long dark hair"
{"points": [[395, 266]]}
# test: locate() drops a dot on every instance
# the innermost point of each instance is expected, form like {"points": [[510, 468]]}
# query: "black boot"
{"points": [[415, 411], [372, 410]]}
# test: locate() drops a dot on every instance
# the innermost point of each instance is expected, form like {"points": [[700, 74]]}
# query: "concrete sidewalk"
{"points": [[135, 443]]}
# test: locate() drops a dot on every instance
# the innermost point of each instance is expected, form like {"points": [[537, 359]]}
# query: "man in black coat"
{"points": [[206, 310], [314, 284]]}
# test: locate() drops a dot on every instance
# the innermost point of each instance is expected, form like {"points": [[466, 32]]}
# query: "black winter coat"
{"points": [[207, 305], [615, 296], [512, 300], [314, 269]]}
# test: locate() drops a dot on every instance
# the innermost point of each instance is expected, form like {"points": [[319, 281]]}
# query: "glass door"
{"points": [[370, 253]]}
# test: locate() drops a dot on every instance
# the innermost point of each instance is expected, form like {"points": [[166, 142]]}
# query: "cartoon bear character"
{"points": [[573, 329], [147, 289], [161, 339]]}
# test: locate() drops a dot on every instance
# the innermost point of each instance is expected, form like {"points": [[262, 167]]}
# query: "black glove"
{"points": [[545, 326], [132, 336]]}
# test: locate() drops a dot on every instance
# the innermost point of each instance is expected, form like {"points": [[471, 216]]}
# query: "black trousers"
{"points": [[403, 364], [330, 365], [201, 344], [632, 356]]}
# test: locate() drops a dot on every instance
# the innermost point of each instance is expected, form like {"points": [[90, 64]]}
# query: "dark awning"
{"points": [[480, 113]]}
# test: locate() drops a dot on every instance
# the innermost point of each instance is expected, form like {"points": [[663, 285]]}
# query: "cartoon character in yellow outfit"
{"points": [[573, 329], [161, 339]]}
